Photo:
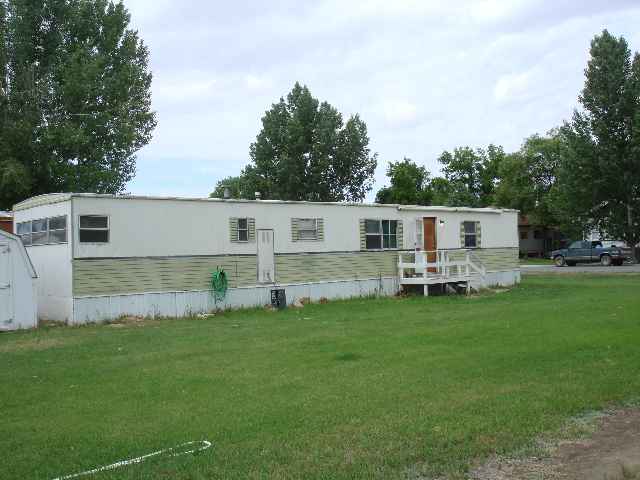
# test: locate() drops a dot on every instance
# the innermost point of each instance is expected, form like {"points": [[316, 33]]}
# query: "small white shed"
{"points": [[18, 296]]}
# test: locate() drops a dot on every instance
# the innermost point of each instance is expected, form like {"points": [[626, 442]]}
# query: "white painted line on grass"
{"points": [[198, 446]]}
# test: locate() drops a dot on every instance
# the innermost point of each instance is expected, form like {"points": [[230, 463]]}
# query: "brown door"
{"points": [[430, 241]]}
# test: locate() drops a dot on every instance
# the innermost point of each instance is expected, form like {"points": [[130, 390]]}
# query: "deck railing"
{"points": [[439, 266]]}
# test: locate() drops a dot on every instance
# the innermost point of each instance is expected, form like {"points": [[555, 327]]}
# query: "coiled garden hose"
{"points": [[219, 284]]}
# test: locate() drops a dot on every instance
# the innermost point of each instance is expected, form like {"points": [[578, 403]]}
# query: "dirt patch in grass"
{"points": [[608, 449]]}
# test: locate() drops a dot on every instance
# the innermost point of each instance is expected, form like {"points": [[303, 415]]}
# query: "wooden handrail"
{"points": [[443, 264]]}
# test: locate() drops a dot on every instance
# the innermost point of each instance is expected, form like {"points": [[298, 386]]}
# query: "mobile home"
{"points": [[100, 257]]}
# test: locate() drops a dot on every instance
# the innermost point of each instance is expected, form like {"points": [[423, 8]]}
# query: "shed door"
{"points": [[266, 262], [6, 292]]}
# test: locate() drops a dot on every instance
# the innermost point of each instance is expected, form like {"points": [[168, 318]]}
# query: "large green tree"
{"points": [[305, 151], [75, 99], [600, 176], [470, 176], [410, 184], [528, 178]]}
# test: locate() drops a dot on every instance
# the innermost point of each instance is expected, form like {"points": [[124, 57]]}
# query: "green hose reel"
{"points": [[219, 284]]}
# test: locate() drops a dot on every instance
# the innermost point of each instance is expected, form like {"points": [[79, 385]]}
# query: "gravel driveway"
{"points": [[580, 268]]}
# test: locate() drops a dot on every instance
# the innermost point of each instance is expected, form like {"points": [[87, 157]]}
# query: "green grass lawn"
{"points": [[386, 388]]}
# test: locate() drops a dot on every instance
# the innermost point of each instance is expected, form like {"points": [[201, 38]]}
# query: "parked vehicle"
{"points": [[583, 251]]}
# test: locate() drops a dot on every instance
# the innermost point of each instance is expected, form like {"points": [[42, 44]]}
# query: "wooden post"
{"points": [[467, 275]]}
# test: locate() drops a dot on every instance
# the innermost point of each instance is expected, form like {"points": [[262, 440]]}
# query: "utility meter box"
{"points": [[278, 298]]}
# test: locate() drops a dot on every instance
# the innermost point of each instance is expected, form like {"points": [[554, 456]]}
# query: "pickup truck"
{"points": [[591, 252]]}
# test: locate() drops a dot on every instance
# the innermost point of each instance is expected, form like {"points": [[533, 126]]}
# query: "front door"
{"points": [[430, 240], [266, 261], [6, 292]]}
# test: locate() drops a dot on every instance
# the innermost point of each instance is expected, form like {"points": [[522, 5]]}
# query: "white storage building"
{"points": [[18, 299]]}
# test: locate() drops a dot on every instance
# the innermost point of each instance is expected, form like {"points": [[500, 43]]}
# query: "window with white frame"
{"points": [[23, 229], [43, 231], [381, 234], [307, 228], [39, 235], [419, 234], [58, 229], [470, 234], [94, 229], [243, 230]]}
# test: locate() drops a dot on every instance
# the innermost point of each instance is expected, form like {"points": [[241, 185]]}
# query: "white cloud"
{"points": [[399, 112], [512, 86], [494, 10], [257, 83], [184, 86], [425, 75]]}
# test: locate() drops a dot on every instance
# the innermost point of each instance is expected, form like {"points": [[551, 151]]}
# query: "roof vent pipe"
{"points": [[258, 196]]}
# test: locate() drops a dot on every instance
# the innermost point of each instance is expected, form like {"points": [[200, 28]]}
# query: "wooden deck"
{"points": [[459, 266]]}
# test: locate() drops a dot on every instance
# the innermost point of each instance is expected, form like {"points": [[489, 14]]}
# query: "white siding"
{"points": [[17, 293], [151, 227], [499, 230], [53, 264]]}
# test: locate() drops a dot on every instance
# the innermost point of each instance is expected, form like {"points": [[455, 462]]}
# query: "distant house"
{"points": [[537, 240], [6, 221]]}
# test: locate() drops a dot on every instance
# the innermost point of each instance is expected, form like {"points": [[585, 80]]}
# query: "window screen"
{"points": [[43, 231], [307, 229], [58, 229], [381, 234], [243, 230], [94, 229], [470, 235], [39, 234]]}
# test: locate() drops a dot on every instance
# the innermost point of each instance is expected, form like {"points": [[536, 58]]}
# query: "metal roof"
{"points": [[61, 197], [22, 250]]}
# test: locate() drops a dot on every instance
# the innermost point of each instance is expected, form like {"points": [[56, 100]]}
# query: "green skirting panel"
{"points": [[113, 276], [317, 267]]}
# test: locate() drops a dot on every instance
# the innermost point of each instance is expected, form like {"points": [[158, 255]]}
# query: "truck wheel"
{"points": [[605, 260], [559, 261]]}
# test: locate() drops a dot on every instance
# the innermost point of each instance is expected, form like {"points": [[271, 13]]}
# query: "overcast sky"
{"points": [[425, 76]]}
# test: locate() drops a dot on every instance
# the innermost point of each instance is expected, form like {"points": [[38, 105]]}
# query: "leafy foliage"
{"points": [[75, 104], [528, 178], [410, 184], [305, 151], [239, 187], [470, 179], [600, 175], [471, 175]]}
